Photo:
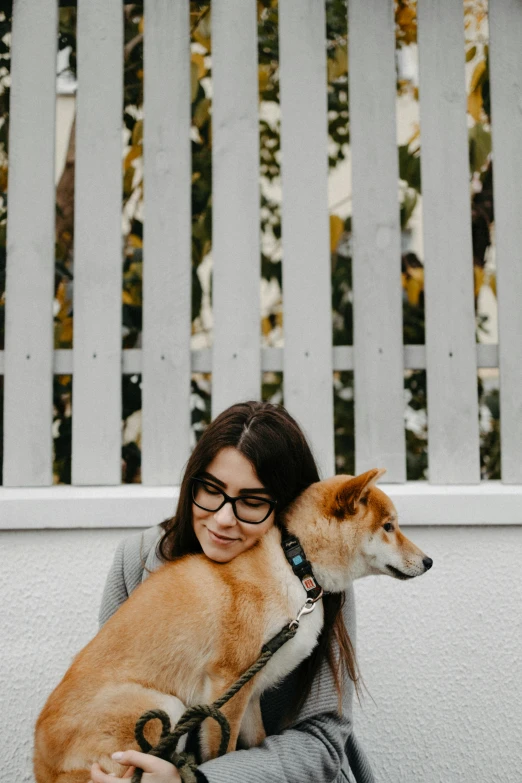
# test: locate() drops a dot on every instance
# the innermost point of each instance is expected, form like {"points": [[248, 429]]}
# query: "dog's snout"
{"points": [[427, 562]]}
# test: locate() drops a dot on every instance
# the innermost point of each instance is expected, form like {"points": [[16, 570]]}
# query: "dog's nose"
{"points": [[427, 563]]}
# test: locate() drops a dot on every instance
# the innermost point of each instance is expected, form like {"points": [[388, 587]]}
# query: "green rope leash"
{"points": [[193, 716]]}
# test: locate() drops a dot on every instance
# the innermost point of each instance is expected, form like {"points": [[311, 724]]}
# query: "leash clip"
{"points": [[307, 607]]}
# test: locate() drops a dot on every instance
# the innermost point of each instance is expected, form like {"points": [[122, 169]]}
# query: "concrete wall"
{"points": [[440, 656]]}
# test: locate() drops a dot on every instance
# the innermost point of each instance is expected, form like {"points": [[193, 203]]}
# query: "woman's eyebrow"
{"points": [[206, 474], [258, 490]]}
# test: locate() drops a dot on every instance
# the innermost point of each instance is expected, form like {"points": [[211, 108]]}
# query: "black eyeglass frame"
{"points": [[227, 499]]}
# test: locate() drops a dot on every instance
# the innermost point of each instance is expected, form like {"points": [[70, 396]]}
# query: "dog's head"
{"points": [[353, 531]]}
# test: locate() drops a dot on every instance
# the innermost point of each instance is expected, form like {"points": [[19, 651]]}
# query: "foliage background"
{"points": [[481, 211]]}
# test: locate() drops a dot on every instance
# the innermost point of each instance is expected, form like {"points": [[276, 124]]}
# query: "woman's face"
{"points": [[221, 535]]}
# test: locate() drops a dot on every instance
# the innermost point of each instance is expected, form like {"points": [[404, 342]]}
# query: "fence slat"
{"points": [[307, 374], [376, 258], [236, 361], [167, 243], [96, 406], [30, 248], [453, 442], [505, 62]]}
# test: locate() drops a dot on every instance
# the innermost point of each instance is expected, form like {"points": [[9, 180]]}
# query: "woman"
{"points": [[256, 451]]}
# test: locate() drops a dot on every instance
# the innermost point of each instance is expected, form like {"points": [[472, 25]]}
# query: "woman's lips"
{"points": [[222, 540]]}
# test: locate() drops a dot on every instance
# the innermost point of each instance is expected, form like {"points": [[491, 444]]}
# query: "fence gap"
{"points": [[344, 422], [62, 428], [416, 424]]}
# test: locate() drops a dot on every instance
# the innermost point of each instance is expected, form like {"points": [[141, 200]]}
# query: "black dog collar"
{"points": [[301, 567]]}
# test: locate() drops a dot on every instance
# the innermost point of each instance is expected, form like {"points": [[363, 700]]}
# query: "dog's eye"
{"points": [[364, 500], [388, 527]]}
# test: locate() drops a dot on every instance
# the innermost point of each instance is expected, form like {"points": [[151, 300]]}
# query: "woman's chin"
{"points": [[220, 552], [216, 554]]}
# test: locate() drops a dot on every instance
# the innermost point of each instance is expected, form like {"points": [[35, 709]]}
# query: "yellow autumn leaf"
{"points": [[263, 76], [199, 61], [478, 75], [338, 64], [336, 230], [475, 105], [194, 81], [406, 21], [137, 132], [202, 113], [405, 16], [201, 39], [413, 284], [126, 298], [493, 282], [478, 279], [65, 332], [135, 241], [60, 293], [141, 25], [135, 151], [128, 180], [202, 32], [266, 326]]}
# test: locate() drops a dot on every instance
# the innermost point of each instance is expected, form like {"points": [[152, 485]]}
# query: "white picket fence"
{"points": [[378, 357]]}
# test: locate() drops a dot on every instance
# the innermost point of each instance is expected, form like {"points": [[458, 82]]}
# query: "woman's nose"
{"points": [[225, 515]]}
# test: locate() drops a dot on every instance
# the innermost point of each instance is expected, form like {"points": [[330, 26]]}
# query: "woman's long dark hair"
{"points": [[276, 447]]}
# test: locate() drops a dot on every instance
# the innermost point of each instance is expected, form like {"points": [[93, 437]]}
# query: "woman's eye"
{"points": [[388, 527], [211, 490], [253, 502]]}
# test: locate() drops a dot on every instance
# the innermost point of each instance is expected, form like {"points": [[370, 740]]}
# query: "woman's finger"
{"points": [[156, 770]]}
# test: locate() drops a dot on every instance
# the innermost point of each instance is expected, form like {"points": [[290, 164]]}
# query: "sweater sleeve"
{"points": [[115, 591], [126, 571], [313, 748]]}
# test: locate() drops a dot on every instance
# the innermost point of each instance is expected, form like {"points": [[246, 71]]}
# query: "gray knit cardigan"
{"points": [[319, 746]]}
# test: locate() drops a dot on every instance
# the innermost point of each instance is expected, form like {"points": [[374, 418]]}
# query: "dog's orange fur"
{"points": [[194, 626]]}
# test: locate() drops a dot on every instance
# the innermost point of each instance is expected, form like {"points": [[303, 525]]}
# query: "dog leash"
{"points": [[193, 716]]}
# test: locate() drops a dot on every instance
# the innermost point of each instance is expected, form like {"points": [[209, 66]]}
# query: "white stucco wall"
{"points": [[440, 656]]}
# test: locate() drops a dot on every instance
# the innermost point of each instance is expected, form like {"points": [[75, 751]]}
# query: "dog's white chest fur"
{"points": [[297, 649]]}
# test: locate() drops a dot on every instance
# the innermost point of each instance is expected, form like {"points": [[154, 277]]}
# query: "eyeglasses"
{"points": [[247, 508]]}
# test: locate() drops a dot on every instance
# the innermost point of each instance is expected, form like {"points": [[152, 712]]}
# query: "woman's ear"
{"points": [[355, 489]]}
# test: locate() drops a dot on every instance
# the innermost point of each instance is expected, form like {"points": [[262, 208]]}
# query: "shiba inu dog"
{"points": [[194, 626]]}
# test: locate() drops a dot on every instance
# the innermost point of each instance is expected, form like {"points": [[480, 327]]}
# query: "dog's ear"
{"points": [[355, 489]]}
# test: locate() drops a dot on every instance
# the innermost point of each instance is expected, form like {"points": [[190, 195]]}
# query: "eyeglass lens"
{"points": [[247, 509]]}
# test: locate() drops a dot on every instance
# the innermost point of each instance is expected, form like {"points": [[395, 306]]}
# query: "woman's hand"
{"points": [[155, 770]]}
